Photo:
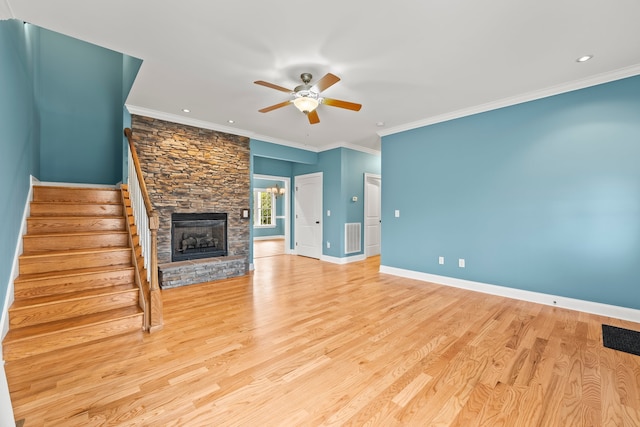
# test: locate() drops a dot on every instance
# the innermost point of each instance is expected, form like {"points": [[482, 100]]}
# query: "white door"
{"points": [[308, 218], [372, 206]]}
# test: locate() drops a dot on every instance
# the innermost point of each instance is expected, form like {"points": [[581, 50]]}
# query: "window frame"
{"points": [[257, 208]]}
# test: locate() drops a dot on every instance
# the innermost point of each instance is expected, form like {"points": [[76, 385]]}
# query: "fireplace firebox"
{"points": [[198, 235]]}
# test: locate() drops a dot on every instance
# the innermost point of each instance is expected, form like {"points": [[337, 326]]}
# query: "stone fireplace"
{"points": [[192, 171]]}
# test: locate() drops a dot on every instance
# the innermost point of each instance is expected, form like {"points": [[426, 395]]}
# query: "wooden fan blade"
{"points": [[313, 117], [274, 107], [342, 104], [327, 81], [272, 86]]}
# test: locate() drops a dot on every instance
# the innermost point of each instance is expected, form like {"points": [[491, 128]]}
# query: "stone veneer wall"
{"points": [[188, 169]]}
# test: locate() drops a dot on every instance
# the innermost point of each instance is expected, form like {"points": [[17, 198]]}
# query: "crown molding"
{"points": [[5, 10], [530, 96], [351, 147], [174, 118]]}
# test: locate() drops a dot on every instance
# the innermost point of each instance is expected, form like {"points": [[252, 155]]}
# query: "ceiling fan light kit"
{"points": [[306, 97], [306, 104]]}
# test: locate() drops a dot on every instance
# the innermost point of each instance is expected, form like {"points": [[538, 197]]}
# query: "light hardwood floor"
{"points": [[300, 342], [265, 248]]}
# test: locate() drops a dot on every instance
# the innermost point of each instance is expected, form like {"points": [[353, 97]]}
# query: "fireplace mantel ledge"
{"points": [[178, 264]]}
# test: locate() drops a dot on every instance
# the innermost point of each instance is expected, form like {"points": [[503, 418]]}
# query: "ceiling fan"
{"points": [[306, 97]]}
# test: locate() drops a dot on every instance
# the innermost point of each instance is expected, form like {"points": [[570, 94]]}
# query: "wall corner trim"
{"points": [[591, 307]]}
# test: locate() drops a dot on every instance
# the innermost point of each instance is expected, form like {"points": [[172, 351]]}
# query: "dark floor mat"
{"points": [[621, 339]]}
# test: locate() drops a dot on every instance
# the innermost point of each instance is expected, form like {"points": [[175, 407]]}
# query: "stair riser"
{"points": [[33, 244], [79, 195], [66, 262], [75, 283], [60, 310], [75, 209], [44, 225], [14, 350]]}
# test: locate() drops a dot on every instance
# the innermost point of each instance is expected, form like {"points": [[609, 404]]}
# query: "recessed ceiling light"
{"points": [[231, 121], [186, 110], [584, 58]]}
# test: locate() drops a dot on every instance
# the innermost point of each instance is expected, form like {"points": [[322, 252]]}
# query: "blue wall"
{"points": [[61, 119], [19, 138], [343, 172], [542, 196], [81, 93]]}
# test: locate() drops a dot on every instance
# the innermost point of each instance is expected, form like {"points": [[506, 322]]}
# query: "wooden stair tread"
{"points": [[78, 295], [74, 234], [75, 272], [72, 252], [80, 202], [43, 329], [49, 218]]}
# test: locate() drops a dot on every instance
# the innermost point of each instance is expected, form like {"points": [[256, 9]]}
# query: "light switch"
{"points": [[328, 212], [397, 213]]}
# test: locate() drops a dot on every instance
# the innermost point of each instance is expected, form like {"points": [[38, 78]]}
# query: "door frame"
{"points": [[295, 222], [287, 207], [364, 213]]}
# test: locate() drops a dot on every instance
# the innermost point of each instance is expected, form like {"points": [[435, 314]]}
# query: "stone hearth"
{"points": [[188, 170]]}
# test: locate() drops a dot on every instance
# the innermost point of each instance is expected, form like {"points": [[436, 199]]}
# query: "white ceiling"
{"points": [[408, 62]]}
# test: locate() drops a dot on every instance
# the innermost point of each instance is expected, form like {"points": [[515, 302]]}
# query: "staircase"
{"points": [[76, 280]]}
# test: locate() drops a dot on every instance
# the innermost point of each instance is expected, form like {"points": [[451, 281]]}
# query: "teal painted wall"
{"points": [[265, 166], [19, 137], [81, 92], [61, 118], [343, 172], [330, 164], [278, 230], [282, 152], [542, 196]]}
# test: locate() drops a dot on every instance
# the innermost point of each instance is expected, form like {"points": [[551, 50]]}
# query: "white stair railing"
{"points": [[146, 224]]}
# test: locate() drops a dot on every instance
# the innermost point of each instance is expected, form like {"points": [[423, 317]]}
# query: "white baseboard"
{"points": [[76, 184], [280, 237], [6, 408], [607, 310], [345, 260], [15, 267]]}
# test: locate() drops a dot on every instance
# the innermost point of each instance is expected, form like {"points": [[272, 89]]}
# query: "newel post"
{"points": [[156, 299]]}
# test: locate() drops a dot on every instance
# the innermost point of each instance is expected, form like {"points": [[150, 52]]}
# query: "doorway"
{"points": [[308, 215], [281, 243], [372, 215]]}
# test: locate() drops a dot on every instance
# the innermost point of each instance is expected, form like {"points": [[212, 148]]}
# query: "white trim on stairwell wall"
{"points": [[4, 317], [6, 408], [607, 310]]}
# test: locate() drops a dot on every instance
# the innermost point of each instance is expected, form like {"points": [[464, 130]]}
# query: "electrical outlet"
{"points": [[461, 262], [440, 260], [328, 245], [397, 213], [328, 212]]}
